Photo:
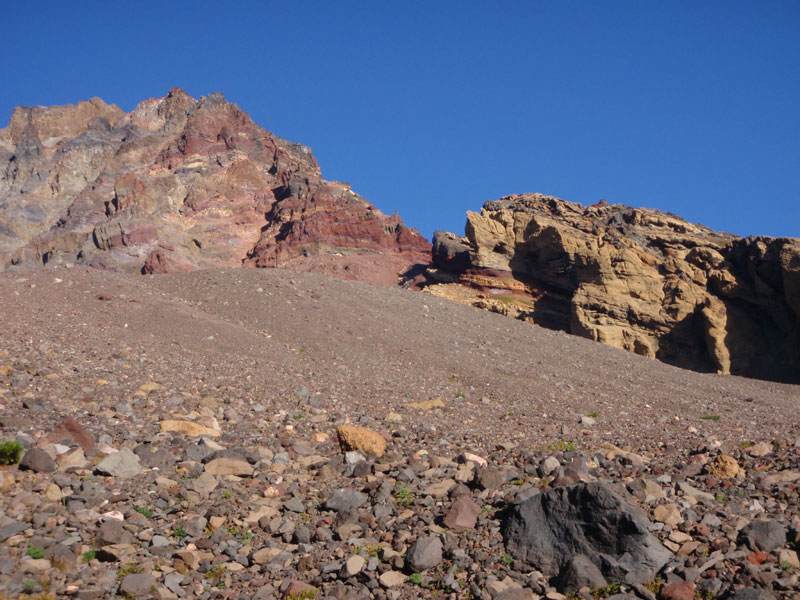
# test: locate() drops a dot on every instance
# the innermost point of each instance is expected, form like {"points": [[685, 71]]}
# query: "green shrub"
{"points": [[10, 453]]}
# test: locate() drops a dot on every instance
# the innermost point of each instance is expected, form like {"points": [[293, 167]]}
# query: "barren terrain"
{"points": [[276, 360]]}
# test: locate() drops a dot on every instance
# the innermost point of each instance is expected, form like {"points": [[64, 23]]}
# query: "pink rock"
{"points": [[682, 590], [463, 514], [70, 428]]}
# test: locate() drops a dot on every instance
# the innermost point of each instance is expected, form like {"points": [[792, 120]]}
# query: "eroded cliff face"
{"points": [[180, 184], [637, 279]]}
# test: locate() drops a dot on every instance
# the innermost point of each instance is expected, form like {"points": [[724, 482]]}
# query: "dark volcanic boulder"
{"points": [[548, 530]]}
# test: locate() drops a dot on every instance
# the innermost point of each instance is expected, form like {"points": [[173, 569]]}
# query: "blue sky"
{"points": [[432, 108]]}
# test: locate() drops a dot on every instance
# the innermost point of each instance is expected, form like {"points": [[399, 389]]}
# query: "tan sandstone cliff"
{"points": [[637, 279]]}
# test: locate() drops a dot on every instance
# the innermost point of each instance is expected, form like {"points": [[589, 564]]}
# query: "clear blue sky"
{"points": [[432, 108]]}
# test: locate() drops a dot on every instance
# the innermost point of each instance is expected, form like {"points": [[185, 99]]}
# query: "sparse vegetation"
{"points": [[90, 555], [36, 552], [304, 595], [215, 572], [129, 568], [561, 446], [655, 585], [415, 578], [10, 453], [605, 591], [143, 511], [710, 417], [179, 532], [404, 497], [507, 560]]}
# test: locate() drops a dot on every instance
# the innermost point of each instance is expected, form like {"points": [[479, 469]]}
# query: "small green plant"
{"points": [[215, 572], [593, 415], [655, 585], [459, 394], [297, 417], [245, 537], [561, 446], [605, 591], [90, 555], [28, 585], [179, 532], [509, 414], [710, 417], [415, 578], [304, 517], [719, 497], [786, 565], [517, 481], [129, 568], [227, 493], [36, 552], [404, 497], [304, 595], [143, 511], [507, 560], [10, 453]]}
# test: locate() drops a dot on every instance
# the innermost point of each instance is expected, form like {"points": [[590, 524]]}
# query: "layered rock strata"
{"points": [[638, 279], [179, 184]]}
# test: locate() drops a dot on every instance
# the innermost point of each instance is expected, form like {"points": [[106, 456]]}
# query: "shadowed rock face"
{"points": [[585, 520], [637, 279], [179, 184]]}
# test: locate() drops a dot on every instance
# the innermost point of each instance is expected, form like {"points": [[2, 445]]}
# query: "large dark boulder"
{"points": [[548, 530]]}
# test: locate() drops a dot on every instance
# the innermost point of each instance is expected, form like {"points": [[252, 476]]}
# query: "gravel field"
{"points": [[265, 365]]}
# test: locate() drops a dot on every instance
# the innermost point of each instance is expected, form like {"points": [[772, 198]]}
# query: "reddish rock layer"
{"points": [[179, 184]]}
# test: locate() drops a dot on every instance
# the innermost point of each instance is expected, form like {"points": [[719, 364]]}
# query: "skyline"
{"points": [[433, 111]]}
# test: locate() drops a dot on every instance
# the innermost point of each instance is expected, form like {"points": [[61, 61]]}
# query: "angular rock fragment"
{"points": [[123, 464], [361, 438], [425, 553], [38, 461], [548, 529]]}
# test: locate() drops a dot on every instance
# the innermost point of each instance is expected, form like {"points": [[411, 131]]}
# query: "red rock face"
{"points": [[179, 184]]}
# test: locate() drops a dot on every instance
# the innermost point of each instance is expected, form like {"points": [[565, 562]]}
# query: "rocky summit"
{"points": [[637, 279], [179, 184]]}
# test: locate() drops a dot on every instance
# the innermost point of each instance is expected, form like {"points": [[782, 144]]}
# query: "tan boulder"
{"points": [[361, 438], [229, 466], [428, 404], [724, 467], [189, 428]]}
